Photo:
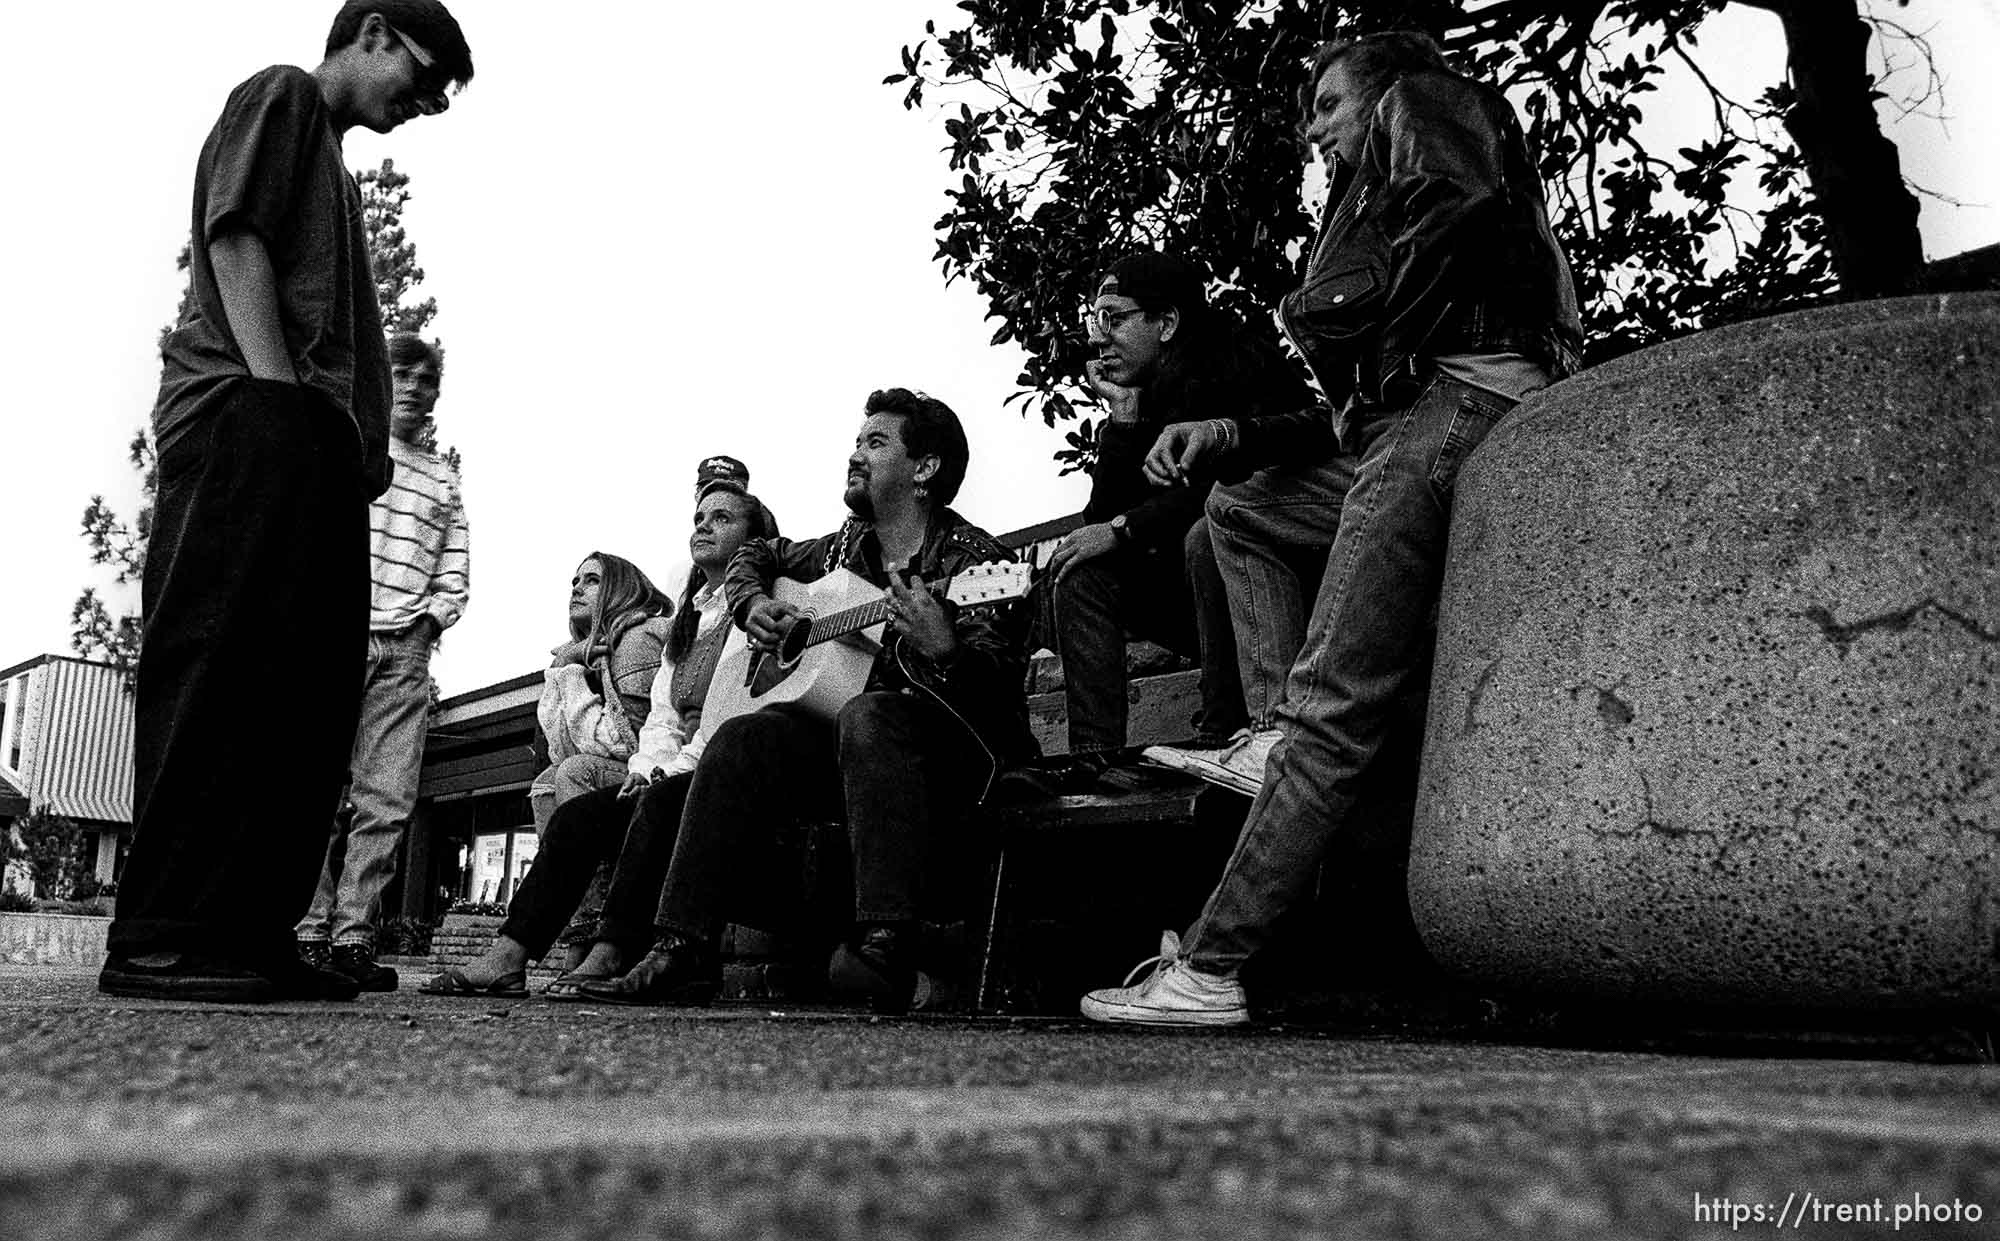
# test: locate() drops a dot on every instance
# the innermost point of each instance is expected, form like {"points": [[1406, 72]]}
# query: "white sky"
{"points": [[655, 232]]}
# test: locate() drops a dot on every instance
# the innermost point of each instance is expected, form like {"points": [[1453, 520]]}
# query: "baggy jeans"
{"points": [[256, 606], [1367, 633], [383, 772]]}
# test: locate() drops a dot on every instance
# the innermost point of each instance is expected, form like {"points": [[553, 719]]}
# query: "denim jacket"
{"points": [[1437, 243]]}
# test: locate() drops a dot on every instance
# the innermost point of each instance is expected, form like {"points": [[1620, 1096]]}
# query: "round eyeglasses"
{"points": [[1107, 318]]}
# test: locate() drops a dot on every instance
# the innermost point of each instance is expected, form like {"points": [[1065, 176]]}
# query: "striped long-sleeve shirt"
{"points": [[418, 542]]}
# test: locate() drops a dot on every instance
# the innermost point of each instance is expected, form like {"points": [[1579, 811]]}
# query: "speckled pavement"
{"points": [[408, 1116]]}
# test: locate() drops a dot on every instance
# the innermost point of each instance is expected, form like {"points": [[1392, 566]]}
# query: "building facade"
{"points": [[66, 748]]}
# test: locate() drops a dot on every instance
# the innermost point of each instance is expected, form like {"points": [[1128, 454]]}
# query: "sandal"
{"points": [[568, 985], [509, 986]]}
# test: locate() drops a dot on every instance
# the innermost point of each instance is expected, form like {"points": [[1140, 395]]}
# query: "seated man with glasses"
{"points": [[1142, 563], [273, 431], [1435, 299]]}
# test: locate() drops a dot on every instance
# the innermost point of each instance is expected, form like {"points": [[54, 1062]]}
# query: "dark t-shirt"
{"points": [[273, 165], [1241, 377]]}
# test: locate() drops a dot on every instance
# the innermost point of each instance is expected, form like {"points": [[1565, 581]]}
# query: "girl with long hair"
{"points": [[634, 819], [597, 691]]}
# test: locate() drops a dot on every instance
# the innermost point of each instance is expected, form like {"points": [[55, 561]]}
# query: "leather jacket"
{"points": [[982, 685], [1438, 243]]}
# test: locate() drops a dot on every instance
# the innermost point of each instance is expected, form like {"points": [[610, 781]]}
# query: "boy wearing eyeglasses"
{"points": [[272, 426], [1142, 562]]}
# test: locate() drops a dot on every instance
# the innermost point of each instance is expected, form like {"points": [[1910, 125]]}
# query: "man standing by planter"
{"points": [[1435, 299], [273, 425], [421, 576]]}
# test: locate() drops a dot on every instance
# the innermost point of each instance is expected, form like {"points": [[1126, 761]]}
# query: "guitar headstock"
{"points": [[996, 581]]}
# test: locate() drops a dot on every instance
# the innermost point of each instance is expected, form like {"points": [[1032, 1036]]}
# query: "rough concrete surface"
{"points": [[1716, 715], [51, 939], [406, 1116]]}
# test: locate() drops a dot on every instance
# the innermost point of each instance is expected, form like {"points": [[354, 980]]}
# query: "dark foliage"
{"points": [[1080, 129]]}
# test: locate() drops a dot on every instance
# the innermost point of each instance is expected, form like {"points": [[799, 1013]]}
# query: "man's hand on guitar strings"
{"points": [[921, 619]]}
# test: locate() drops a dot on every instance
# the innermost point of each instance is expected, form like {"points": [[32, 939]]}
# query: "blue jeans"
{"points": [[1368, 631], [1265, 530], [1174, 600], [387, 759]]}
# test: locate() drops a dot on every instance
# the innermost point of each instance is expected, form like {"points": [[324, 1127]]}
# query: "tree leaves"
{"points": [[53, 850], [384, 194], [1087, 136]]}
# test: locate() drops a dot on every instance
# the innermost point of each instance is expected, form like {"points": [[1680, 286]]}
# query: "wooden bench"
{"points": [[1082, 884]]}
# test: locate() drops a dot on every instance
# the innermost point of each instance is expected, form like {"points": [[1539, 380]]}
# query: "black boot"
{"points": [[678, 970], [881, 967], [358, 962]]}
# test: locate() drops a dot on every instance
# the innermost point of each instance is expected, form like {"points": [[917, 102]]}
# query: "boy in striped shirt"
{"points": [[421, 569]]}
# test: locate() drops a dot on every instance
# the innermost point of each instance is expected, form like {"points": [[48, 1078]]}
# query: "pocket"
{"points": [[185, 450], [1471, 422], [1337, 305]]}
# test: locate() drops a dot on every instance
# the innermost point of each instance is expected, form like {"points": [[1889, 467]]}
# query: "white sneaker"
{"points": [[1238, 765], [1174, 994]]}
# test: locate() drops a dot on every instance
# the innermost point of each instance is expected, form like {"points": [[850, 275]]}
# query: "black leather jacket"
{"points": [[1438, 243], [982, 686]]}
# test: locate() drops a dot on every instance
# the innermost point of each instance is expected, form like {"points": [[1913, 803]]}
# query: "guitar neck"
{"points": [[860, 616]]}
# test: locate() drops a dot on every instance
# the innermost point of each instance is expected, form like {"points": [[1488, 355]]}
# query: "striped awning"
{"points": [[82, 761]]}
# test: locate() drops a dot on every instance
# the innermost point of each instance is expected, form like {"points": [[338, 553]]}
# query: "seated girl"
{"points": [[636, 820], [596, 695]]}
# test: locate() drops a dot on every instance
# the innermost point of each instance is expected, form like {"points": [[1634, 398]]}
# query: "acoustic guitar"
{"points": [[825, 658]]}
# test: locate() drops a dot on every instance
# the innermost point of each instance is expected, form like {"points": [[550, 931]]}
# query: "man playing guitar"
{"points": [[942, 706]]}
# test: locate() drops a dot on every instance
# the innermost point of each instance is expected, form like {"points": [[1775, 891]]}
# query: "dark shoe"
{"points": [[677, 971], [316, 953], [881, 969], [508, 986], [1066, 775], [293, 979], [184, 976], [358, 962]]}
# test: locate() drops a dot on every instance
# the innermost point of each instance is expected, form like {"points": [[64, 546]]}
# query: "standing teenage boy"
{"points": [[272, 425], [420, 576]]}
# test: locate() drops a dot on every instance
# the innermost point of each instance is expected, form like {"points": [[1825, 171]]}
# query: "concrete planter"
{"points": [[52, 939], [1716, 715]]}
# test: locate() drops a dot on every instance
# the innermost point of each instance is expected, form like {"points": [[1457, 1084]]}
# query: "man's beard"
{"points": [[859, 502]]}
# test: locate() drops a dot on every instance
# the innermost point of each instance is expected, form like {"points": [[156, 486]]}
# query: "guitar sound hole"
{"points": [[794, 642]]}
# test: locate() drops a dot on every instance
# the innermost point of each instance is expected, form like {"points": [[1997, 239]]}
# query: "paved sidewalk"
{"points": [[411, 1116]]}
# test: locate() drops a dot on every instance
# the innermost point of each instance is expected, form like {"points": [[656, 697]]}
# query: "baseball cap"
{"points": [[1150, 276], [719, 470]]}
